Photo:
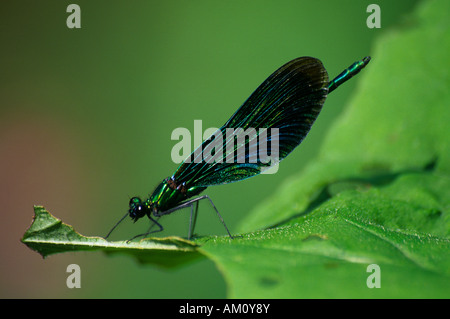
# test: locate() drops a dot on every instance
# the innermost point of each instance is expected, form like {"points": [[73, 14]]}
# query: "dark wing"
{"points": [[288, 100]]}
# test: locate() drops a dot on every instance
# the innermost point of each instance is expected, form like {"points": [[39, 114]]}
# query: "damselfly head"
{"points": [[137, 209]]}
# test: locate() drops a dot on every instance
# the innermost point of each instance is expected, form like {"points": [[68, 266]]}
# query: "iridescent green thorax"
{"points": [[170, 194]]}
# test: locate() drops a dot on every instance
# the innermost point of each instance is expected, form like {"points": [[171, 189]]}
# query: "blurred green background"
{"points": [[86, 117]]}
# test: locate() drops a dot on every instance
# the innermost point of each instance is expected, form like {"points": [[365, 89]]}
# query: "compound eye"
{"points": [[135, 201]]}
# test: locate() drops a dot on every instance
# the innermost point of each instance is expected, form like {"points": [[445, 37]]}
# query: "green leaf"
{"points": [[325, 254], [402, 227], [48, 235]]}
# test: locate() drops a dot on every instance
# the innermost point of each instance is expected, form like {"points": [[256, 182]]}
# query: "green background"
{"points": [[86, 118]]}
